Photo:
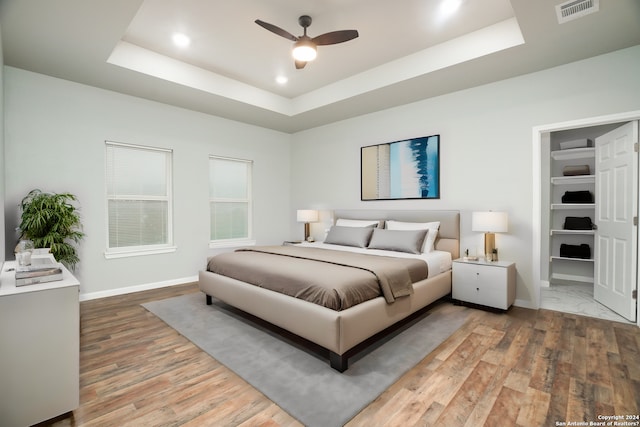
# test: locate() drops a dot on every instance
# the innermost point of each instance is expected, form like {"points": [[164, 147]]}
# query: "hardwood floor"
{"points": [[523, 368]]}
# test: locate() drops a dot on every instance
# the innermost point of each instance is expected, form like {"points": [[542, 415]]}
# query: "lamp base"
{"points": [[306, 231], [490, 246]]}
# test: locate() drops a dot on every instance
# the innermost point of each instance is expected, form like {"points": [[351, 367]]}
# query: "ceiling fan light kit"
{"points": [[304, 50], [305, 47]]}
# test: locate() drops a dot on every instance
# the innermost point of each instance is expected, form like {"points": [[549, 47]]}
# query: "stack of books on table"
{"points": [[41, 270]]}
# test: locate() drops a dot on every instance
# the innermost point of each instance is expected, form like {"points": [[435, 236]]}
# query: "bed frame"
{"points": [[341, 331]]}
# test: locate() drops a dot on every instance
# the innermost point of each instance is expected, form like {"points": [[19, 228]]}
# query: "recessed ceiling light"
{"points": [[448, 7], [282, 80], [181, 40]]}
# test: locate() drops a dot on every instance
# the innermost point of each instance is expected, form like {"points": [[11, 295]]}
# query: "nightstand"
{"points": [[492, 284]]}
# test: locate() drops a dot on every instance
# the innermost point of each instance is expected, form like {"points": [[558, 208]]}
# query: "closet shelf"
{"points": [[570, 180], [570, 206], [573, 232], [560, 258], [574, 153], [565, 269]]}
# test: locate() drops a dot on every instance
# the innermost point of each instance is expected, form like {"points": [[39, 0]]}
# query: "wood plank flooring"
{"points": [[523, 368]]}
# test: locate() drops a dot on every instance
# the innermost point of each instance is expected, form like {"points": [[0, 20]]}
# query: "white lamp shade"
{"points": [[489, 222], [307, 215]]}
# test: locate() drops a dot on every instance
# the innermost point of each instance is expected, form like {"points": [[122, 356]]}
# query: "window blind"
{"points": [[138, 181], [230, 198]]}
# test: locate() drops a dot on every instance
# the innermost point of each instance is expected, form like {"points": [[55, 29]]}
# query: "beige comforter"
{"points": [[334, 279]]}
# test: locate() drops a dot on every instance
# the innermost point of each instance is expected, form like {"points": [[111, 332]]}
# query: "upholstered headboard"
{"points": [[448, 234]]}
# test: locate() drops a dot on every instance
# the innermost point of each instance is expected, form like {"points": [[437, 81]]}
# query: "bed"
{"points": [[346, 325]]}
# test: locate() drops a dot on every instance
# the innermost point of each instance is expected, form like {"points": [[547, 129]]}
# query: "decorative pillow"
{"points": [[349, 236], [431, 236], [410, 241], [342, 222]]}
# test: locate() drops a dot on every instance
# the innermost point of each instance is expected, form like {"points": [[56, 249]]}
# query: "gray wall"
{"points": [[486, 147], [55, 138], [2, 156]]}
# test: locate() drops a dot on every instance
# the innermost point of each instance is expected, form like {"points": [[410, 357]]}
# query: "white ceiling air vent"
{"points": [[574, 9]]}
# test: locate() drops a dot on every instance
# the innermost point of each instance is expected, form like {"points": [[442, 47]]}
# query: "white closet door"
{"points": [[616, 206]]}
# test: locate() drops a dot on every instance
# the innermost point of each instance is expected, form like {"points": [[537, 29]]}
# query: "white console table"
{"points": [[39, 348]]}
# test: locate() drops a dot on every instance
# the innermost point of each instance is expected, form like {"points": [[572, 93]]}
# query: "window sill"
{"points": [[231, 243], [138, 252]]}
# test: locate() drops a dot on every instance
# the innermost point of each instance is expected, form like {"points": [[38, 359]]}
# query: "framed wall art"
{"points": [[408, 169]]}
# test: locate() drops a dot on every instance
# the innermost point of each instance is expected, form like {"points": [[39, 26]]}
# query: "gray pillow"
{"points": [[349, 236], [398, 240]]}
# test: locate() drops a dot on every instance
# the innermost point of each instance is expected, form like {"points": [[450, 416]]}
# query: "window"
{"points": [[230, 201], [138, 200]]}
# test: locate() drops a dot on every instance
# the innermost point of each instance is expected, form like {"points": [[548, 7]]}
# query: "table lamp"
{"points": [[307, 216], [489, 222]]}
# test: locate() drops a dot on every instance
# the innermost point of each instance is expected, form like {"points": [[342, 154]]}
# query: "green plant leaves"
{"points": [[52, 221]]}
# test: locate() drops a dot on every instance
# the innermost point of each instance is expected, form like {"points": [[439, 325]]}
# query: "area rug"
{"points": [[293, 375]]}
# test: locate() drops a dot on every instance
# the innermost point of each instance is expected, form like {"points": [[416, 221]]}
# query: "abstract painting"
{"points": [[408, 169]]}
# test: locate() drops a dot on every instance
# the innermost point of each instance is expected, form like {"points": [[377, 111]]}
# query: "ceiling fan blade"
{"points": [[276, 30], [300, 64], [335, 37]]}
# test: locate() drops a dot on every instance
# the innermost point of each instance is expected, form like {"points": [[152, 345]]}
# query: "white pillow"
{"points": [[429, 241], [342, 222]]}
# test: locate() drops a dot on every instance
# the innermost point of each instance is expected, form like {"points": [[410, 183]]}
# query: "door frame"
{"points": [[538, 133]]}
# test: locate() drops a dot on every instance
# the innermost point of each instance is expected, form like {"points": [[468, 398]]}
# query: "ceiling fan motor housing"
{"points": [[304, 21]]}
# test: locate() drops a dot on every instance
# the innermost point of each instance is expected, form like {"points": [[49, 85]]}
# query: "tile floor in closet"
{"points": [[577, 299]]}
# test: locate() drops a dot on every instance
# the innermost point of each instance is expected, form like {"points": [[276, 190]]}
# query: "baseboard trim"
{"points": [[138, 288]]}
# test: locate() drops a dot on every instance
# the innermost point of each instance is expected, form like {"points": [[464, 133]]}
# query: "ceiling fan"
{"points": [[304, 48]]}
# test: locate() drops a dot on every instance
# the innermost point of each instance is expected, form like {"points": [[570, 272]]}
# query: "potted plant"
{"points": [[51, 221]]}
